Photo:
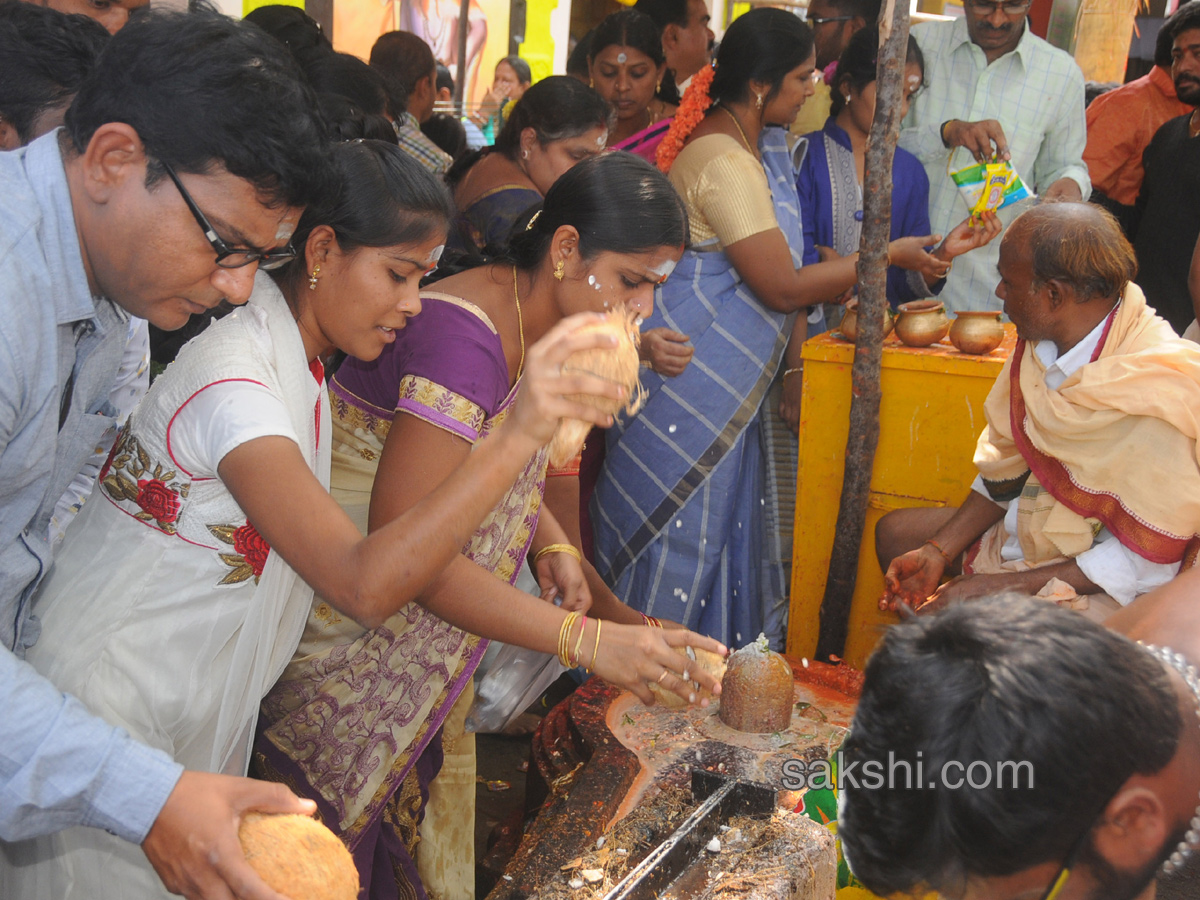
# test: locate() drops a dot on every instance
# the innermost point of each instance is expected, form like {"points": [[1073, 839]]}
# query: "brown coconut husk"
{"points": [[619, 364], [299, 857], [703, 659]]}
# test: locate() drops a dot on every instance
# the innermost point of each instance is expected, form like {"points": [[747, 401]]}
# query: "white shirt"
{"points": [[1121, 572]]}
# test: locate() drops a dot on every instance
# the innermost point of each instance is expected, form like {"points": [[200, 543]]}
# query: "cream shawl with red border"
{"points": [[1115, 444]]}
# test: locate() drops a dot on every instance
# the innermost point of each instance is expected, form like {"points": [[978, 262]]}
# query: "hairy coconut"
{"points": [[619, 364], [756, 692], [710, 662], [299, 857]]}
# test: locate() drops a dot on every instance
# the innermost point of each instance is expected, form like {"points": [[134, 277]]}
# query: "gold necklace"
{"points": [[738, 126], [520, 325]]}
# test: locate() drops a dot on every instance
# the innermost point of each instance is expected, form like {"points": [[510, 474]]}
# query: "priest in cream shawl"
{"points": [[1089, 483]]}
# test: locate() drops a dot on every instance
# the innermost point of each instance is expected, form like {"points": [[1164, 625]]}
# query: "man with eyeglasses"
{"points": [[994, 90], [185, 160], [1058, 759], [833, 23]]}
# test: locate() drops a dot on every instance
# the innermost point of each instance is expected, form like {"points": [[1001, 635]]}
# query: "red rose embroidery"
{"points": [[250, 544], [158, 500]]}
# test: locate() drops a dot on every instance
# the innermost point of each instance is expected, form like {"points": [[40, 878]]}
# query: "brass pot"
{"points": [[849, 324], [922, 322], [977, 332]]}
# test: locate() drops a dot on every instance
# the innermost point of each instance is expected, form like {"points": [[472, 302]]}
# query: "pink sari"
{"points": [[645, 142]]}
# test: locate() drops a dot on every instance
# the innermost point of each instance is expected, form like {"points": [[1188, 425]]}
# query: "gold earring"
{"points": [[560, 269], [312, 279], [758, 100]]}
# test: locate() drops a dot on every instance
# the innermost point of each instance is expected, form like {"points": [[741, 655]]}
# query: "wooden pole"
{"points": [[868, 349]]}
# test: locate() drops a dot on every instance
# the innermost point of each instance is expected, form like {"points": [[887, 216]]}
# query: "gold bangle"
{"points": [[558, 548], [563, 639], [595, 649], [579, 642]]}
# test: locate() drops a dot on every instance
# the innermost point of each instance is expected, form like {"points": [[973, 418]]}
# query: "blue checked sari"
{"points": [[680, 509]]}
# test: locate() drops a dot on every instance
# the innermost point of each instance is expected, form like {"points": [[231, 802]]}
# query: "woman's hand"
{"points": [[633, 656], [545, 389], [667, 351], [970, 234], [561, 575], [910, 253]]}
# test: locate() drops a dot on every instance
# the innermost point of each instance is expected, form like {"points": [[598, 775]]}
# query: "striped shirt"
{"points": [[1035, 92]]}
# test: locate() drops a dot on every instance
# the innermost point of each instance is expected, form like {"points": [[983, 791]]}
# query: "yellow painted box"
{"points": [[931, 413]]}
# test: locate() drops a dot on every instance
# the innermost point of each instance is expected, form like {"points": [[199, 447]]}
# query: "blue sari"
{"points": [[680, 508]]}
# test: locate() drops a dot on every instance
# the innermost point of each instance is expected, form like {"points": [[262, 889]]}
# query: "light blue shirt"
{"points": [[60, 766], [1035, 92]]}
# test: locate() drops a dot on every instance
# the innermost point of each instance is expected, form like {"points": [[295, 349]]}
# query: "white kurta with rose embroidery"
{"points": [[165, 612]]}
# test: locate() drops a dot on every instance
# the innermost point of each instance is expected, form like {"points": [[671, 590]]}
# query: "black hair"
{"points": [[556, 108], [447, 132], [664, 12], [202, 90], [577, 62], [867, 10], [520, 68], [444, 78], [1183, 19], [618, 203], [1012, 680], [294, 28], [44, 56], [342, 73], [382, 197], [763, 44], [403, 56], [629, 28], [346, 121], [859, 61]]}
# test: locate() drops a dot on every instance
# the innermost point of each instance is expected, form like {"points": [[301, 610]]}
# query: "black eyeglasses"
{"points": [[231, 257], [1009, 8], [823, 20]]}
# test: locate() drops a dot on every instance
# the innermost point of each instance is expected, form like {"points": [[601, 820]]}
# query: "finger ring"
{"points": [[664, 674]]}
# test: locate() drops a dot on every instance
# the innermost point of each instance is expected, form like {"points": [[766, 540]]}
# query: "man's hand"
{"points": [[789, 400], [970, 234], [1063, 190], [983, 140], [667, 351], [964, 587], [912, 577], [193, 844]]}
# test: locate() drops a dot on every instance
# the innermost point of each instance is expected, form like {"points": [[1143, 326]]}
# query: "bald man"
{"points": [[1088, 475]]}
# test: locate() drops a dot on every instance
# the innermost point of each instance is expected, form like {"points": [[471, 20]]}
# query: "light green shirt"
{"points": [[1035, 92]]}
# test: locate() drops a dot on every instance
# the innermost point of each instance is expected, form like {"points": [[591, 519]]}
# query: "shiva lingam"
{"points": [[920, 323], [625, 804], [977, 332]]}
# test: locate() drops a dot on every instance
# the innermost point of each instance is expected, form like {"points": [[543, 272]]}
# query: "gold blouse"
{"points": [[725, 190]]}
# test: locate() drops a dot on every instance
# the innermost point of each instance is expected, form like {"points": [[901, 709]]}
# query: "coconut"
{"points": [[619, 364], [299, 857], [710, 662]]}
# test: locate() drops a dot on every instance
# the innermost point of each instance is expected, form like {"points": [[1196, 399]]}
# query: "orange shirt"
{"points": [[1120, 125]]}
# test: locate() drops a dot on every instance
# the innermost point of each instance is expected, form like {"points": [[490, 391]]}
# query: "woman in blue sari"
{"points": [[680, 511]]}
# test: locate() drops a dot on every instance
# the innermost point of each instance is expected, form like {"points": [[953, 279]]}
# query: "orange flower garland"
{"points": [[691, 112]]}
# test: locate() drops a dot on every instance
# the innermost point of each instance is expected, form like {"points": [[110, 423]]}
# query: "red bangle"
{"points": [[938, 547], [651, 621]]}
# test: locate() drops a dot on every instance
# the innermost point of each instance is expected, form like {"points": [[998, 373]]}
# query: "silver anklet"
{"points": [[1188, 672]]}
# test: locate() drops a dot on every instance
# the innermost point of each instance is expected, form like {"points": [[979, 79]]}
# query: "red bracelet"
{"points": [[651, 621]]}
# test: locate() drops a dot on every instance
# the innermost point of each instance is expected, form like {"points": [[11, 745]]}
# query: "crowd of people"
{"points": [[286, 557]]}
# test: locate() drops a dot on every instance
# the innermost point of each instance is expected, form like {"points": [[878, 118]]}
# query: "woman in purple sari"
{"points": [[364, 719], [626, 66]]}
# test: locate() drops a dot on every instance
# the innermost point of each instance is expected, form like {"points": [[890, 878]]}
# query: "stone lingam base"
{"points": [[611, 781]]}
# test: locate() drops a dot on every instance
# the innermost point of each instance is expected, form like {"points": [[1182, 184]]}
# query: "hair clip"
{"points": [[529, 227]]}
